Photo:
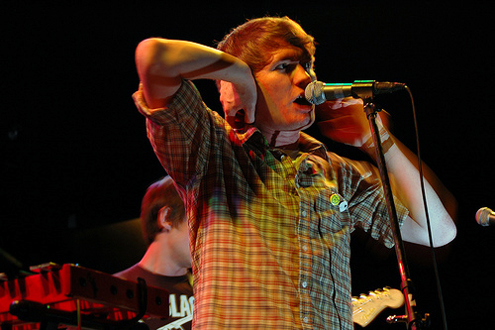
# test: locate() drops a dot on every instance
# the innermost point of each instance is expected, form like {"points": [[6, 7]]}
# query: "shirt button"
{"points": [[304, 213], [304, 284], [305, 319], [305, 248]]}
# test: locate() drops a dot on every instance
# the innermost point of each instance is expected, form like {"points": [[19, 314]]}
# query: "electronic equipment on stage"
{"points": [[56, 295]]}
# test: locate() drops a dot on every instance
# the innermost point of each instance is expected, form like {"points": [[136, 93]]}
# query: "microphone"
{"points": [[485, 217], [318, 92]]}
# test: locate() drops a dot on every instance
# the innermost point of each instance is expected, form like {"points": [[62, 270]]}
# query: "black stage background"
{"points": [[75, 159]]}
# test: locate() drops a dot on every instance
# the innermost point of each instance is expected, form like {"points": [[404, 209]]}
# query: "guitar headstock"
{"points": [[366, 307]]}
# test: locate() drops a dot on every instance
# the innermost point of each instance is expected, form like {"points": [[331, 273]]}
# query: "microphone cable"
{"points": [[428, 221]]}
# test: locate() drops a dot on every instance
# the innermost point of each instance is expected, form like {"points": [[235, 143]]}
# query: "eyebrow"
{"points": [[294, 55], [291, 55]]}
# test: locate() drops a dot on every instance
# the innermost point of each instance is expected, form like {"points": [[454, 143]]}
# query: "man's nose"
{"points": [[301, 76]]}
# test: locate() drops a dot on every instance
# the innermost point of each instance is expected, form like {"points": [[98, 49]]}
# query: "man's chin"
{"points": [[306, 123]]}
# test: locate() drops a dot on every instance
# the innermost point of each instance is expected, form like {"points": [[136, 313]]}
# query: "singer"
{"points": [[269, 239]]}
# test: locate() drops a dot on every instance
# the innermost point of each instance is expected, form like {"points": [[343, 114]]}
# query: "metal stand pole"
{"points": [[413, 320]]}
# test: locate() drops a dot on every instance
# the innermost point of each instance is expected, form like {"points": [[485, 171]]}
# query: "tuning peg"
{"points": [[396, 319]]}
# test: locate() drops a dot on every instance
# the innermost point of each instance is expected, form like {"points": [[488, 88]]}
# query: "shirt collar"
{"points": [[306, 142]]}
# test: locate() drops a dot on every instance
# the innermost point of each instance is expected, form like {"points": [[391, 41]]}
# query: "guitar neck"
{"points": [[366, 308]]}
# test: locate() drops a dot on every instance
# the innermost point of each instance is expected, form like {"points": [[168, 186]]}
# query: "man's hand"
{"points": [[345, 121], [239, 102]]}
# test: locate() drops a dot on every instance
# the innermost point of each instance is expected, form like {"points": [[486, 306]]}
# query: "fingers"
{"points": [[336, 108], [249, 116], [344, 120], [238, 104]]}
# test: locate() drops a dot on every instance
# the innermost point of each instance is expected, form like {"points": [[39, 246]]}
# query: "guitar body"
{"points": [[366, 307]]}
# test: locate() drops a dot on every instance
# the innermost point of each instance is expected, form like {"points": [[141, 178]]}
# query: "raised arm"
{"points": [[402, 165], [163, 63], [346, 122]]}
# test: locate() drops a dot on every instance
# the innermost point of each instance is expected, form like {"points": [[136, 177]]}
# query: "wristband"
{"points": [[386, 139]]}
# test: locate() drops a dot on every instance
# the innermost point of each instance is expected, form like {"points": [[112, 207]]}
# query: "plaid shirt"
{"points": [[269, 248]]}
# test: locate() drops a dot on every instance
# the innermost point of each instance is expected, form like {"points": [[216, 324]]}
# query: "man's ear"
{"points": [[163, 219], [228, 96]]}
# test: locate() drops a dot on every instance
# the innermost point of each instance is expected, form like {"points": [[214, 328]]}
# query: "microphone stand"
{"points": [[414, 321]]}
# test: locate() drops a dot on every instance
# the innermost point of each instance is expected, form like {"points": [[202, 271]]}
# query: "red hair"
{"points": [[254, 41]]}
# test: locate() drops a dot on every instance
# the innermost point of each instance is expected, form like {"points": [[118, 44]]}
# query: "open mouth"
{"points": [[301, 100]]}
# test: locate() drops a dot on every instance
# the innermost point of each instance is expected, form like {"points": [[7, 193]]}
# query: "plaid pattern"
{"points": [[269, 250]]}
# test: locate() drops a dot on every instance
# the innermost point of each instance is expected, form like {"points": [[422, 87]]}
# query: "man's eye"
{"points": [[309, 66], [310, 69], [287, 67]]}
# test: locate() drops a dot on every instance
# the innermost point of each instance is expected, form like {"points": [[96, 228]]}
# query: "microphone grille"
{"points": [[483, 216], [314, 93]]}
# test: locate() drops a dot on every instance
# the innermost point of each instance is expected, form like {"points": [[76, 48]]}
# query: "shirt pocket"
{"points": [[331, 215]]}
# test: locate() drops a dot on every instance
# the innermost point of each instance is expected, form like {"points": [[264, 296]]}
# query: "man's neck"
{"points": [[157, 261], [282, 139]]}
